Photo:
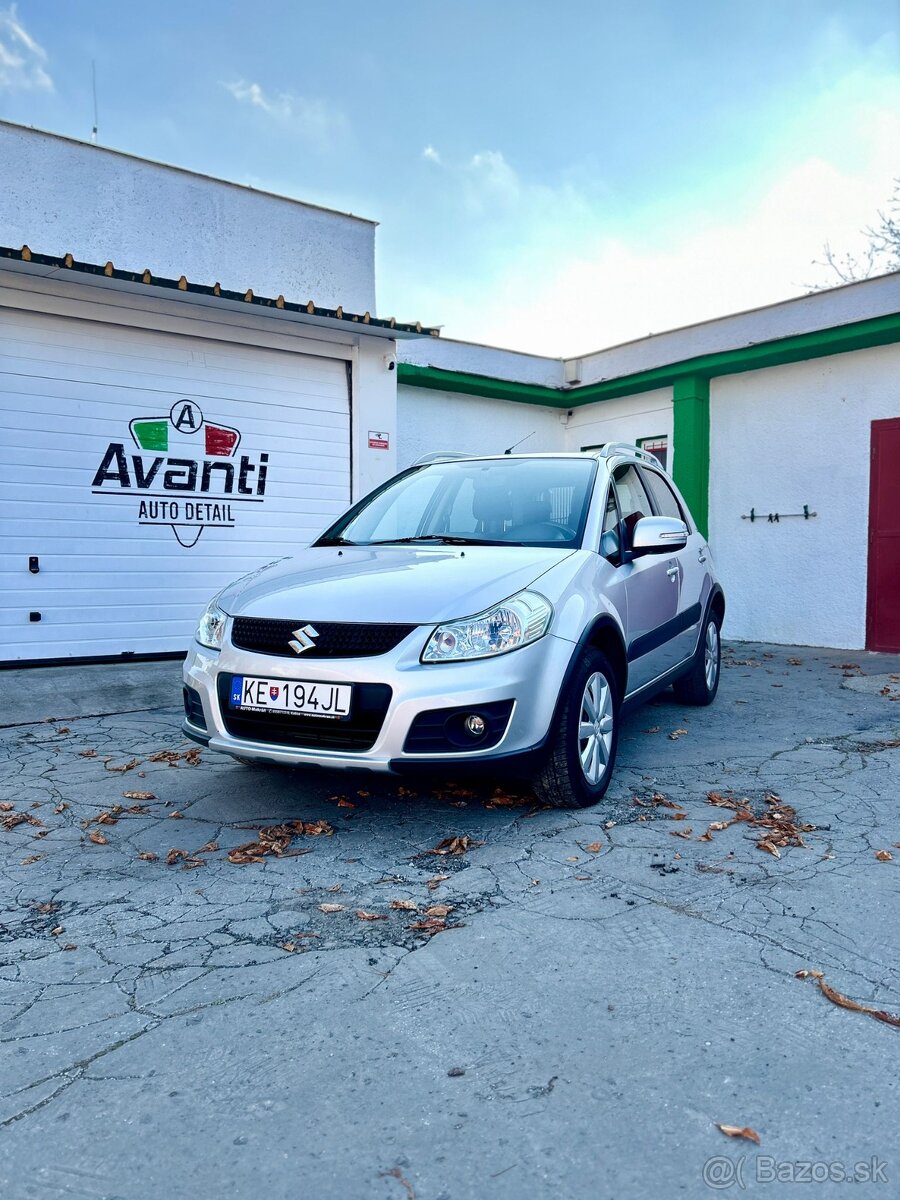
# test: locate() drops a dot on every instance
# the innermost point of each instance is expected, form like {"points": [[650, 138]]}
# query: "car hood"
{"points": [[406, 584]]}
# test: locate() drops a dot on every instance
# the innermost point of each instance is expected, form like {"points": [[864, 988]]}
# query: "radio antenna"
{"points": [[520, 441], [94, 90]]}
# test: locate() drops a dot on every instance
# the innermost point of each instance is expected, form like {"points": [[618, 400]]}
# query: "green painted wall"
{"points": [[690, 465]]}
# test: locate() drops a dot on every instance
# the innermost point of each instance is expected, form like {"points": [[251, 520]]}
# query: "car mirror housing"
{"points": [[658, 535]]}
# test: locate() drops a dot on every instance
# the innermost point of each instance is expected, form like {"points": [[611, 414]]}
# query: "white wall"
{"points": [[805, 314], [779, 439], [141, 215], [648, 414], [430, 421], [483, 360], [374, 405]]}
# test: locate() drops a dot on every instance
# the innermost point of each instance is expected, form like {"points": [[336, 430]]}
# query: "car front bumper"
{"points": [[530, 677]]}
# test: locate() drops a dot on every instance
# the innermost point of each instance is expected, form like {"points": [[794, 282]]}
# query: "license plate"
{"points": [[298, 696]]}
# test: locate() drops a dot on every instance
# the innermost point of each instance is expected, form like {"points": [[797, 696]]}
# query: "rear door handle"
{"points": [[701, 555], [672, 572]]}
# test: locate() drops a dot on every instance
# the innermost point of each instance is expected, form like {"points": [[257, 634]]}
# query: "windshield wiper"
{"points": [[447, 539], [335, 541]]}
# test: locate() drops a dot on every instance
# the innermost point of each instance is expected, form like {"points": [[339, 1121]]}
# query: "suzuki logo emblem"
{"points": [[304, 639]]}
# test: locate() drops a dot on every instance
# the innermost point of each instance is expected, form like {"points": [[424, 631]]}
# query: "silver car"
{"points": [[495, 612]]}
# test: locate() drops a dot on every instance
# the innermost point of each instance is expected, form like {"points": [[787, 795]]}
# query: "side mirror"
{"points": [[658, 535]]}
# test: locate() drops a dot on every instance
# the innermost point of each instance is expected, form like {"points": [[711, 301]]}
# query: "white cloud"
{"points": [[22, 59], [431, 155], [557, 269], [320, 124]]}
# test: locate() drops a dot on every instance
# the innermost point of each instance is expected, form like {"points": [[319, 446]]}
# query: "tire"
{"points": [[700, 684], [564, 781]]}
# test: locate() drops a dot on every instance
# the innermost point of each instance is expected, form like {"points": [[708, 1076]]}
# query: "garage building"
{"points": [[193, 381]]}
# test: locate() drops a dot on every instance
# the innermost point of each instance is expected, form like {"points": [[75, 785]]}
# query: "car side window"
{"points": [[609, 538], [666, 500], [633, 499]]}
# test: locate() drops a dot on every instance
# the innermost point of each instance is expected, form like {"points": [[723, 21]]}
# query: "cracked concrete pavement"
{"points": [[603, 995]]}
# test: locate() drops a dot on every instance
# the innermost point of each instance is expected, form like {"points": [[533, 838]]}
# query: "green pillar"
{"points": [[691, 445]]}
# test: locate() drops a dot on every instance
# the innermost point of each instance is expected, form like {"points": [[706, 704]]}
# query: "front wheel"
{"points": [[700, 684], [584, 737]]}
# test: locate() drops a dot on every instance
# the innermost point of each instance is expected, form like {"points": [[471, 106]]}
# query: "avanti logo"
{"points": [[186, 493]]}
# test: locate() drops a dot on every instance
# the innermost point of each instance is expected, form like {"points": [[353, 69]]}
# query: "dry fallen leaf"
{"points": [[148, 856], [431, 926], [345, 804], [406, 905], [883, 855], [61, 807], [739, 1131], [676, 734], [594, 847], [121, 768], [97, 838], [809, 974], [454, 845], [32, 858], [289, 946], [57, 931], [843, 1001], [139, 795], [174, 855], [6, 806], [48, 906], [435, 882], [439, 910], [362, 915], [106, 818], [176, 815], [88, 753], [652, 729], [208, 848], [331, 908], [70, 946]]}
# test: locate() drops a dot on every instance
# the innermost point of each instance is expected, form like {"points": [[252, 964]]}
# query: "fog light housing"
{"points": [[475, 725]]}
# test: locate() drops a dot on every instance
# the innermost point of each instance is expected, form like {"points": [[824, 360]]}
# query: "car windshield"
{"points": [[497, 501]]}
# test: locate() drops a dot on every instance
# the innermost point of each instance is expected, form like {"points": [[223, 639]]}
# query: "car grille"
{"points": [[358, 731], [335, 639]]}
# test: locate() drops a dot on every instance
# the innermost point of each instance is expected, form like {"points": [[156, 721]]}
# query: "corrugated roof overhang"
{"points": [[110, 276]]}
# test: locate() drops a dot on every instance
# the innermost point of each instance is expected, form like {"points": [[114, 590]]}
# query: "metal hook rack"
{"points": [[776, 518]]}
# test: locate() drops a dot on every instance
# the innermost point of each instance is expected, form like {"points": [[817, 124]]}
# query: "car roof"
{"points": [[612, 450]]}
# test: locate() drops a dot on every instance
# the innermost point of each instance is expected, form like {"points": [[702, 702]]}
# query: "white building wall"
{"points": [[141, 214], [476, 359], [805, 314], [781, 438], [430, 421], [648, 414]]}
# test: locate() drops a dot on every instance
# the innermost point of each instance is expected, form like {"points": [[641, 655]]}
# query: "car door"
{"points": [[692, 579], [651, 588]]}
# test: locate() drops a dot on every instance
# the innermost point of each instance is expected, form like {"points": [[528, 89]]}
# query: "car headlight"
{"points": [[507, 626], [211, 630]]}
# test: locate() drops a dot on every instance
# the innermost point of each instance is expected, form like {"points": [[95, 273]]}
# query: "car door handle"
{"points": [[672, 572], [701, 556]]}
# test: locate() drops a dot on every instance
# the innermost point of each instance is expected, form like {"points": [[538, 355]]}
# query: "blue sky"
{"points": [[550, 177]]}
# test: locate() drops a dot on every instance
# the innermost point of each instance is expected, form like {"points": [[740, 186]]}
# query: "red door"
{"points": [[883, 605]]}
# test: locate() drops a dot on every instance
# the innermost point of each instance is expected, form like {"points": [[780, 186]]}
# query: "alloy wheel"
{"points": [[595, 727], [711, 655]]}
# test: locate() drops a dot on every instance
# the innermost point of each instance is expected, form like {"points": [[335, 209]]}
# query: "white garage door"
{"points": [[141, 471]]}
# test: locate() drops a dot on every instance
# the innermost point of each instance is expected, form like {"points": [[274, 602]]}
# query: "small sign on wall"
{"points": [[379, 441]]}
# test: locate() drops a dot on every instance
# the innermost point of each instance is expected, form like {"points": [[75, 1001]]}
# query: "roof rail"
{"points": [[442, 456], [627, 450]]}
